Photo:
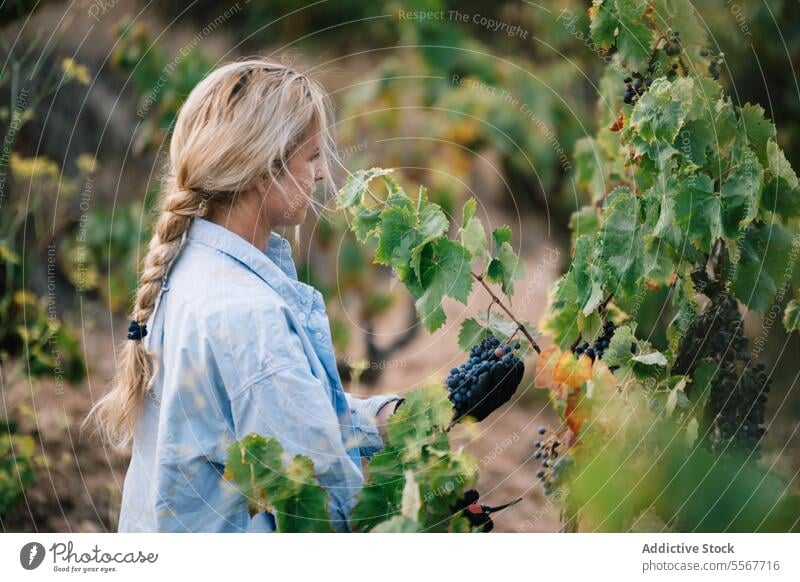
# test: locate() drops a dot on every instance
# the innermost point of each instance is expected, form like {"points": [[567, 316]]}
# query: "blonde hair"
{"points": [[241, 123]]}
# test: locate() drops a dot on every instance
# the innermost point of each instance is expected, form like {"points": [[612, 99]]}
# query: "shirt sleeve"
{"points": [[364, 411], [281, 397]]}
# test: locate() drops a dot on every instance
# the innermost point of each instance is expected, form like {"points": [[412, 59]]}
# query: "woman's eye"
{"points": [[314, 157]]}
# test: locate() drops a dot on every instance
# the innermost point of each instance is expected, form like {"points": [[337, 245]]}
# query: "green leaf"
{"points": [[365, 222], [693, 140], [619, 348], [660, 112], [433, 222], [471, 334], [604, 24], [622, 253], [791, 316], [765, 251], [255, 464], [697, 210], [398, 231], [778, 165], [781, 194], [505, 268], [562, 313], [424, 410], [501, 235], [740, 193], [352, 193], [635, 37], [444, 268], [473, 236], [758, 130], [381, 494], [588, 277]]}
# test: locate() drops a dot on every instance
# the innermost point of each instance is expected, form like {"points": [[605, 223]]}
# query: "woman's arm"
{"points": [[369, 419]]}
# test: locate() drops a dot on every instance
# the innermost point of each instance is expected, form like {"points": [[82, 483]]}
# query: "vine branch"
{"points": [[496, 299]]}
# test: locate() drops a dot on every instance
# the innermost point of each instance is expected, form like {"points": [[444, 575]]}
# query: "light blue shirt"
{"points": [[243, 347]]}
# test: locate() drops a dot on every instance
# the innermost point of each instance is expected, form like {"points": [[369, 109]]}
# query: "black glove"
{"points": [[478, 514], [486, 381]]}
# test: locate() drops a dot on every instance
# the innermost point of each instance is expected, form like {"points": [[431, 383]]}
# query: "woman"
{"points": [[224, 340]]}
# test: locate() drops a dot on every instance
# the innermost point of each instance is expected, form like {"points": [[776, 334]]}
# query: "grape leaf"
{"points": [[588, 277], [660, 112], [622, 253], [697, 210], [634, 35], [352, 193], [398, 231], [381, 494], [764, 254], [444, 269], [423, 411], [300, 504], [473, 237], [365, 221], [603, 25], [501, 235], [471, 334], [561, 319], [505, 268], [791, 316], [757, 129], [619, 348], [740, 193], [782, 194]]}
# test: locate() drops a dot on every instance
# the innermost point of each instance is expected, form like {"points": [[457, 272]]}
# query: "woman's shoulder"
{"points": [[201, 274]]}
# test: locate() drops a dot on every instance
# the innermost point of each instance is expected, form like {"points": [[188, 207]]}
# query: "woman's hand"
{"points": [[384, 412]]}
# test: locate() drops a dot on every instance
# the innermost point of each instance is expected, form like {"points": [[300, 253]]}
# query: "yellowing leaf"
{"points": [[571, 371]]}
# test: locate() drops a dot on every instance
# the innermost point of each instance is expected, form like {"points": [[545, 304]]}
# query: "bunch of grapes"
{"points": [[600, 345], [554, 469], [713, 67], [487, 380], [673, 45], [738, 396], [636, 85], [739, 389]]}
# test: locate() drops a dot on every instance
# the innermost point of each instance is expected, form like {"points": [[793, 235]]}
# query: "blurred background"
{"points": [[491, 100]]}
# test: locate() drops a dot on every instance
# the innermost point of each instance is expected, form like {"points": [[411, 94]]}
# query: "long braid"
{"points": [[117, 411]]}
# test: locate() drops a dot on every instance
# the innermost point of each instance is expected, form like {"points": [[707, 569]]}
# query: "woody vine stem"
{"points": [[496, 299]]}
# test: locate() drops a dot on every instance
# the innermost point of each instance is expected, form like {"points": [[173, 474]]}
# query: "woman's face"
{"points": [[287, 201]]}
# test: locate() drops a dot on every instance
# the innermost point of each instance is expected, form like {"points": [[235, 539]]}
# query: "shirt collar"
{"points": [[274, 265]]}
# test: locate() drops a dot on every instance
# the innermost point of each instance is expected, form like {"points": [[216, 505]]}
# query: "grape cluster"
{"points": [[713, 67], [487, 380], [554, 466], [636, 85], [600, 345], [478, 514], [739, 389], [673, 45], [738, 395]]}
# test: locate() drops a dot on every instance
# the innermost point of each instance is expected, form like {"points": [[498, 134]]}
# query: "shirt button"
{"points": [[319, 335], [302, 316]]}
